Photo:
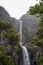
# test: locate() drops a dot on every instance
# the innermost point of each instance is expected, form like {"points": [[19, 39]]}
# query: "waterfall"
{"points": [[26, 60]]}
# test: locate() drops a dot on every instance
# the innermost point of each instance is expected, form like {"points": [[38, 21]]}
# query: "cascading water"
{"points": [[26, 60]]}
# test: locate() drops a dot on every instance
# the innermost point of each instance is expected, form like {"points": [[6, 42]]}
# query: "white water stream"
{"points": [[26, 60]]}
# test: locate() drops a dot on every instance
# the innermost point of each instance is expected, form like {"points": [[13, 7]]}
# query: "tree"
{"points": [[2, 48], [38, 11], [12, 36], [4, 26], [10, 33], [7, 60], [4, 58]]}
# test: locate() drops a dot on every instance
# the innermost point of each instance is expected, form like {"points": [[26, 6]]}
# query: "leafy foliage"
{"points": [[4, 25], [40, 60], [4, 58], [10, 35], [8, 60], [38, 10], [10, 32], [2, 48]]}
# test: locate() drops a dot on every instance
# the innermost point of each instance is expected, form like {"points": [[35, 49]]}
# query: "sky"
{"points": [[17, 8]]}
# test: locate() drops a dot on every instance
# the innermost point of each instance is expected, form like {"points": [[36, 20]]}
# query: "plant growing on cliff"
{"points": [[10, 32], [4, 58], [11, 36]]}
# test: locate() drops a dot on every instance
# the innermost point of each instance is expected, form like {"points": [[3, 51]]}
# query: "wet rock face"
{"points": [[17, 56], [20, 59], [16, 53], [34, 53]]}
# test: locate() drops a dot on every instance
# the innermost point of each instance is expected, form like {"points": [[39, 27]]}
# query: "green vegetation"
{"points": [[38, 11], [11, 36], [8, 60], [2, 48], [4, 58], [10, 33], [40, 60], [4, 25]]}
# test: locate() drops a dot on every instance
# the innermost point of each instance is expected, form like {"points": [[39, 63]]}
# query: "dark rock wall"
{"points": [[4, 15]]}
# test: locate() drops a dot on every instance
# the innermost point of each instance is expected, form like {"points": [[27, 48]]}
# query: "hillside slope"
{"points": [[4, 15], [30, 26]]}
